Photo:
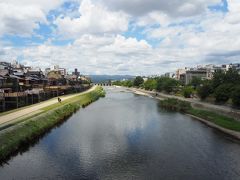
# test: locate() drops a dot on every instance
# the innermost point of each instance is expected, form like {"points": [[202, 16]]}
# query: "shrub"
{"points": [[175, 105]]}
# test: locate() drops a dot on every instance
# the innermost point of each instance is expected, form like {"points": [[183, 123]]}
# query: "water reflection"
{"points": [[126, 136]]}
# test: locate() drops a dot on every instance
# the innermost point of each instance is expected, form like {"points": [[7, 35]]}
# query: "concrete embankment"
{"points": [[14, 138], [224, 130]]}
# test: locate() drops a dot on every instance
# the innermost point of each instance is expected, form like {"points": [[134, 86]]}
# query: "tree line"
{"points": [[223, 87]]}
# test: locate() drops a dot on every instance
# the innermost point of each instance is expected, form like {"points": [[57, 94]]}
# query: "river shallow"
{"points": [[127, 136]]}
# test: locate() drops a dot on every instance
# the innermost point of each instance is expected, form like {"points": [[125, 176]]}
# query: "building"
{"points": [[62, 71], [6, 67], [47, 70], [76, 72], [55, 78], [198, 73], [235, 66]]}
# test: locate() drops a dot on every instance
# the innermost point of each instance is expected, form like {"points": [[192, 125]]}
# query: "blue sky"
{"points": [[126, 37]]}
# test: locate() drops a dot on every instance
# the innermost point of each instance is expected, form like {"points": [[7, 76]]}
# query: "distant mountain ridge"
{"points": [[106, 78]]}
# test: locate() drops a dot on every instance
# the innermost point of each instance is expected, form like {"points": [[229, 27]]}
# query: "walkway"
{"points": [[36, 109]]}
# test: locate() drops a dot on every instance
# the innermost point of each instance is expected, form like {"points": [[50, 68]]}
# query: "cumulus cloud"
{"points": [[128, 37], [172, 8], [92, 54], [22, 17], [94, 19]]}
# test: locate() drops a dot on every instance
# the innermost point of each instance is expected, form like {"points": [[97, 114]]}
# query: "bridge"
{"points": [[103, 84]]}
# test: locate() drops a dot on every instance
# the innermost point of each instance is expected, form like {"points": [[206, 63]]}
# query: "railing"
{"points": [[57, 87], [15, 94], [7, 85]]}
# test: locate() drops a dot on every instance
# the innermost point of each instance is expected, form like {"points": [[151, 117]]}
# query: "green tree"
{"points": [[150, 84], [236, 96], [196, 82], [204, 91], [128, 83], [223, 92], [218, 78], [187, 91], [166, 84], [138, 81], [169, 85], [232, 76]]}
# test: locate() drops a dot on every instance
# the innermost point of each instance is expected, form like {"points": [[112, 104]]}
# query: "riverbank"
{"points": [[13, 138], [10, 118], [221, 122], [196, 103]]}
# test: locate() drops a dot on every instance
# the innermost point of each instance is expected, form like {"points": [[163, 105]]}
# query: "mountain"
{"points": [[105, 78]]}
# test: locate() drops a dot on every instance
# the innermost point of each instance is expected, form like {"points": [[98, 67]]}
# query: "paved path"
{"points": [[35, 109]]}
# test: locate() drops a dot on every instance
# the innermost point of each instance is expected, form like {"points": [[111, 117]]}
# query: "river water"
{"points": [[127, 136]]}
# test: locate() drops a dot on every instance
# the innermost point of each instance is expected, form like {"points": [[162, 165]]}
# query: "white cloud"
{"points": [[172, 8], [126, 46], [174, 35], [22, 17], [91, 54], [94, 19]]}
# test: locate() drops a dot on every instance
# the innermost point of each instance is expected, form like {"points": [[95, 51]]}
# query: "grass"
{"points": [[185, 107], [220, 120], [12, 140]]}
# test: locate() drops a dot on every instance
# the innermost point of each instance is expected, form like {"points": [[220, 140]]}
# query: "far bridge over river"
{"points": [[103, 84]]}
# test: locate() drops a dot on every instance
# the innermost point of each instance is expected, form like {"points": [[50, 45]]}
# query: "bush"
{"points": [[236, 96], [187, 91], [175, 105], [223, 92]]}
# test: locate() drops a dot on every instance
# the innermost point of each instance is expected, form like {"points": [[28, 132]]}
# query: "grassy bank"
{"points": [[14, 138], [185, 107]]}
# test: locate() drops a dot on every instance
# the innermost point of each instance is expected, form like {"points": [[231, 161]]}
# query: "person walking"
{"points": [[59, 100]]}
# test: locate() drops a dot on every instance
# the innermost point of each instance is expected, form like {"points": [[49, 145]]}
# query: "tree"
{"points": [[166, 84], [236, 96], [204, 91], [196, 82], [232, 76], [218, 78], [128, 83], [138, 81], [187, 91], [169, 85], [160, 82], [223, 92], [150, 84]]}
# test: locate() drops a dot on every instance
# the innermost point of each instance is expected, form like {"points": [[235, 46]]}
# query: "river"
{"points": [[127, 136]]}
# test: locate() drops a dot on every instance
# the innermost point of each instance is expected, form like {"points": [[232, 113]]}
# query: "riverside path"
{"points": [[18, 115]]}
